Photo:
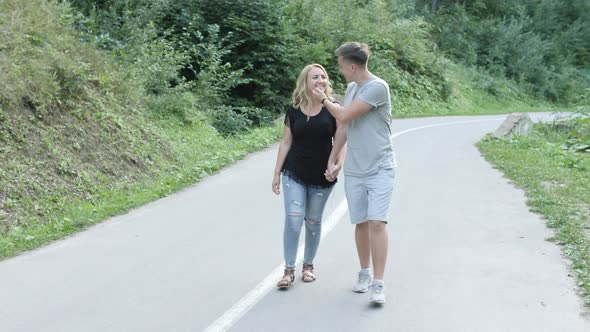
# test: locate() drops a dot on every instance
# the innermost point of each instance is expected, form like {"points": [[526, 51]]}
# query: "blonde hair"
{"points": [[300, 95]]}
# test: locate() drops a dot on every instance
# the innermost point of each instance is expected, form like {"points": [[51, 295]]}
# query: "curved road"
{"points": [[465, 255]]}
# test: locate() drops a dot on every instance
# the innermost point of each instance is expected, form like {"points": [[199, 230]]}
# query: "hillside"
{"points": [[76, 144], [108, 105]]}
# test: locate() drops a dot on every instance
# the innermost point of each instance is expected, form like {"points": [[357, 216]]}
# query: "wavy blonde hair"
{"points": [[300, 96]]}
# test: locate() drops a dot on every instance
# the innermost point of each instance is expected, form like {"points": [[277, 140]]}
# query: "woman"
{"points": [[310, 156]]}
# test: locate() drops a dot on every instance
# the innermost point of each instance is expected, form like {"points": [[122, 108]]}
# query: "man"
{"points": [[369, 168]]}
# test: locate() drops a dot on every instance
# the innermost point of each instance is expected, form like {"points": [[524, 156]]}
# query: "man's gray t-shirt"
{"points": [[369, 146]]}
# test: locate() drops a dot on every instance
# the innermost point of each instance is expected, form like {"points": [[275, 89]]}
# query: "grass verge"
{"points": [[557, 184], [198, 152]]}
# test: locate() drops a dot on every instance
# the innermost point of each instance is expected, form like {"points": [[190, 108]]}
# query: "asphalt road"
{"points": [[465, 255]]}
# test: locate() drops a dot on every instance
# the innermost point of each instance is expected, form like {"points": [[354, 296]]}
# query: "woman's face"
{"points": [[316, 78]]}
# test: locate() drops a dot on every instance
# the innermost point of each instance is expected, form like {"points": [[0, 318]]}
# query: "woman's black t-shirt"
{"points": [[308, 156]]}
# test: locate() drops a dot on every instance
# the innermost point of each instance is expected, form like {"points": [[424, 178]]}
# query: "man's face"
{"points": [[346, 69]]}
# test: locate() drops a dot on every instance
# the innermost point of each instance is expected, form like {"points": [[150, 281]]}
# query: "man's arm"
{"points": [[355, 110]]}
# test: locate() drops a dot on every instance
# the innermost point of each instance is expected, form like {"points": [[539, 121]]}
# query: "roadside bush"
{"points": [[402, 53], [252, 30], [182, 105], [229, 120], [44, 67], [207, 47], [541, 44]]}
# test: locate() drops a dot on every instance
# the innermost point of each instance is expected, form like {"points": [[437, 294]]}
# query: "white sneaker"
{"points": [[378, 292], [362, 283]]}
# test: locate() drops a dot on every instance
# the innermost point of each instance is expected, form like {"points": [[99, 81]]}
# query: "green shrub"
{"points": [[252, 30], [43, 66], [182, 105], [402, 53], [207, 47], [541, 44]]}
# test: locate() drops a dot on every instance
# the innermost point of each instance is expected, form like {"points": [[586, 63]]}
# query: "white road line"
{"points": [[442, 124], [231, 316]]}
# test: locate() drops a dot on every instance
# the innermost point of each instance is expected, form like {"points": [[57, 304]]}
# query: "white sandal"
{"points": [[287, 279], [307, 273]]}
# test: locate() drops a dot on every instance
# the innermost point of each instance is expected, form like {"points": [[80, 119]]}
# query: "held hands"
{"points": [[276, 184], [332, 172]]}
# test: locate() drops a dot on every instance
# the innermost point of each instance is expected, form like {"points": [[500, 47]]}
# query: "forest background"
{"points": [[106, 105]]}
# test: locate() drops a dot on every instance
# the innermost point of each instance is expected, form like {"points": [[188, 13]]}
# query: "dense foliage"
{"points": [[108, 104], [85, 135], [542, 44]]}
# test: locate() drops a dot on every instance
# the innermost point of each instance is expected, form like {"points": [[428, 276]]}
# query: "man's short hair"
{"points": [[355, 52]]}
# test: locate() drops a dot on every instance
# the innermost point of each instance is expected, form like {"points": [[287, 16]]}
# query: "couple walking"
{"points": [[312, 153]]}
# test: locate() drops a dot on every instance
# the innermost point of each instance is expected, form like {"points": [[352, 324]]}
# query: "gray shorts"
{"points": [[369, 197]]}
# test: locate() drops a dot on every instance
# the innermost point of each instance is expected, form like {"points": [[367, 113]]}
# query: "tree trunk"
{"points": [[433, 6]]}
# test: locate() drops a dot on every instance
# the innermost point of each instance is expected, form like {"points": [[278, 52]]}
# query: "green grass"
{"points": [[82, 139], [557, 185], [486, 105], [199, 151]]}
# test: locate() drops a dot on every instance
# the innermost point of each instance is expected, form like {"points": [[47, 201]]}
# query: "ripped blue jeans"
{"points": [[302, 203]]}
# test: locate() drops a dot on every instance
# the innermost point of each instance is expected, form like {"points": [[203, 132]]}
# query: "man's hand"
{"points": [[318, 94]]}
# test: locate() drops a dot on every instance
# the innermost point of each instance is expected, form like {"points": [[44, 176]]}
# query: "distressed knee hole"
{"points": [[296, 203], [294, 222], [313, 221], [314, 226]]}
